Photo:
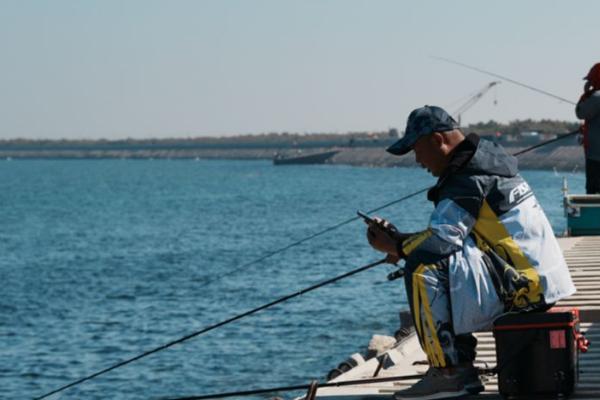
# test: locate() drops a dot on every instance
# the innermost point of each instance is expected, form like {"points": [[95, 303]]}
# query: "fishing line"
{"points": [[503, 77], [314, 235], [280, 300]]}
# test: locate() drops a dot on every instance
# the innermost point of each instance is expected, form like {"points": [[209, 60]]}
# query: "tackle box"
{"points": [[583, 214], [538, 353]]}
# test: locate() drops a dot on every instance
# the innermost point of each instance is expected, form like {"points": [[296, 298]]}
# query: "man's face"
{"points": [[430, 153]]}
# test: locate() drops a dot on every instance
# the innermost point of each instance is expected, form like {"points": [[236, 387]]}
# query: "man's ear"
{"points": [[437, 138]]}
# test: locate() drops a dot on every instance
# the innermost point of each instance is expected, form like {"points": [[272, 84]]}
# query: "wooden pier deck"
{"points": [[583, 257]]}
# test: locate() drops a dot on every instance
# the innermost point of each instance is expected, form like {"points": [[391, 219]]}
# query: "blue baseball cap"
{"points": [[422, 122]]}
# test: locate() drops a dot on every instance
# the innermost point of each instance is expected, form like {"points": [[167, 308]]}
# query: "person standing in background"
{"points": [[588, 109]]}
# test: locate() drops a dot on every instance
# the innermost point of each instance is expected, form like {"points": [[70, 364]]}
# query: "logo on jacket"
{"points": [[519, 192]]}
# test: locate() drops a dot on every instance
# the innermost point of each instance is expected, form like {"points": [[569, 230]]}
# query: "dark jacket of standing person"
{"points": [[588, 109]]}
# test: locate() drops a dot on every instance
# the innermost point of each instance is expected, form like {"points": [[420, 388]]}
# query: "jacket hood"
{"points": [[476, 156], [491, 159]]}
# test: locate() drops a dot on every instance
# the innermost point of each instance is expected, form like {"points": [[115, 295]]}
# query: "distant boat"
{"points": [[315, 158]]}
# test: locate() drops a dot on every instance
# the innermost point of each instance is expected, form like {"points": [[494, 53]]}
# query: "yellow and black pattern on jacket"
{"points": [[488, 200], [516, 279]]}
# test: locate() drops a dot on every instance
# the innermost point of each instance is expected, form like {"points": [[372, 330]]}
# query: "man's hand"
{"points": [[392, 259], [380, 235]]}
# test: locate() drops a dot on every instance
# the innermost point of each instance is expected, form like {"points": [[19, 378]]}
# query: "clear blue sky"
{"points": [[116, 69]]}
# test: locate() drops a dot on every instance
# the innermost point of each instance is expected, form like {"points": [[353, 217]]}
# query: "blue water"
{"points": [[102, 260]]}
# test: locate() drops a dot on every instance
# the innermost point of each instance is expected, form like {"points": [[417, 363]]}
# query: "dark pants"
{"points": [[592, 176]]}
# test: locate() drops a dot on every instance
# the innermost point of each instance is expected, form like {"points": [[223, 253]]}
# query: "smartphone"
{"points": [[365, 217]]}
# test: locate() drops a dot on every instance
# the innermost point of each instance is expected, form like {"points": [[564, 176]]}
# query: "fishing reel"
{"points": [[399, 273]]}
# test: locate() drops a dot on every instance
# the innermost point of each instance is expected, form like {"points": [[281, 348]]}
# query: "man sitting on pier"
{"points": [[489, 249]]}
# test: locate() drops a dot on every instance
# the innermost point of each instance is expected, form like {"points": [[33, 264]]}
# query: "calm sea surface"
{"points": [[103, 260]]}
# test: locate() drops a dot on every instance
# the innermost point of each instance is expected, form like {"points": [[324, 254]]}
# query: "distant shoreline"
{"points": [[561, 157], [353, 148]]}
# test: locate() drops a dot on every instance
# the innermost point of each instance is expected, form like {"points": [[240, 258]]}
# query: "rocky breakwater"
{"points": [[564, 158]]}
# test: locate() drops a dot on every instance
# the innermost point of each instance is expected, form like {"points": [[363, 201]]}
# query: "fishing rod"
{"points": [[280, 300], [214, 326], [504, 77], [559, 137], [314, 384]]}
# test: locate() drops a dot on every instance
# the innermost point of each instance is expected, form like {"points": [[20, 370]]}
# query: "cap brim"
{"points": [[401, 147]]}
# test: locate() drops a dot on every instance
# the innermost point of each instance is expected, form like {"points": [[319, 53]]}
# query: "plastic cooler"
{"points": [[538, 353], [583, 214]]}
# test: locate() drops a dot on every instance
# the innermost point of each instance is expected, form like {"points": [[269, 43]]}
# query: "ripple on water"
{"points": [[127, 297]]}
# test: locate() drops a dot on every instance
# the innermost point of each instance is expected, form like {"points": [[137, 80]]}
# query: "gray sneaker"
{"points": [[443, 383]]}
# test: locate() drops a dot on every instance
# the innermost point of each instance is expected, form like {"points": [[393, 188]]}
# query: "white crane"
{"points": [[473, 99]]}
